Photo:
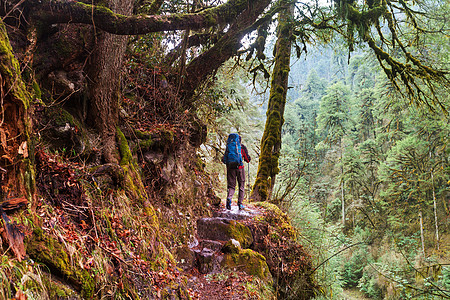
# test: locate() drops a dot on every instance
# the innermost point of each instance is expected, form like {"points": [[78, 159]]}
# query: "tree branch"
{"points": [[77, 12], [208, 62]]}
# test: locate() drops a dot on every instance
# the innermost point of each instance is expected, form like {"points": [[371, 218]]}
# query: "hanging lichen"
{"points": [[407, 73]]}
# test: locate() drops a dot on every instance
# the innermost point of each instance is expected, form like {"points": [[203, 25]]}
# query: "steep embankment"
{"points": [[92, 234]]}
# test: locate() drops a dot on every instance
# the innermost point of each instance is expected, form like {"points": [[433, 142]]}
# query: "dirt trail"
{"points": [[354, 295], [223, 284]]}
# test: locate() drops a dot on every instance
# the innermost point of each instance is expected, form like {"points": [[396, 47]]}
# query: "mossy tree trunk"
{"points": [[104, 82], [16, 154], [271, 139]]}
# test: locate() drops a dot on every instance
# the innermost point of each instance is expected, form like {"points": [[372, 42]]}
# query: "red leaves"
{"points": [[228, 285], [59, 180], [84, 225], [20, 296]]}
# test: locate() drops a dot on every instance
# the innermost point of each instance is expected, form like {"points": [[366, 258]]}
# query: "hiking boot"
{"points": [[241, 207], [228, 203]]}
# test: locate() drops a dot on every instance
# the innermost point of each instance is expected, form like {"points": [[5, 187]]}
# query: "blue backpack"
{"points": [[233, 156]]}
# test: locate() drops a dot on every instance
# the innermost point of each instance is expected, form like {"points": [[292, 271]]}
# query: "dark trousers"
{"points": [[232, 175]]}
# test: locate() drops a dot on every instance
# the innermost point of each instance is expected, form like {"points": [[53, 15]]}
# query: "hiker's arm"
{"points": [[246, 156]]}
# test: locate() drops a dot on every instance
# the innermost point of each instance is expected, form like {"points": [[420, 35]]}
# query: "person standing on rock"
{"points": [[234, 157]]}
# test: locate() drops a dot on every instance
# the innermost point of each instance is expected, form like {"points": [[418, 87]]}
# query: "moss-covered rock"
{"points": [[250, 262], [232, 246], [276, 218], [185, 257], [160, 139], [222, 229], [62, 132], [276, 239]]}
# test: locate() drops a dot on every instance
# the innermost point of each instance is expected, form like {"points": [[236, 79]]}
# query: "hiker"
{"points": [[234, 155]]}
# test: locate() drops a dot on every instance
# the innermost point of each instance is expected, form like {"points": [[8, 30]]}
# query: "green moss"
{"points": [[10, 70], [210, 19], [56, 290], [50, 252], [62, 117], [278, 220], [147, 144], [271, 140], [29, 179], [250, 262], [125, 153], [229, 247], [158, 139], [37, 90], [241, 233]]}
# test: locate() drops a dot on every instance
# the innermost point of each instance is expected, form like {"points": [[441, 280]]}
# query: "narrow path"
{"points": [[354, 295], [222, 284]]}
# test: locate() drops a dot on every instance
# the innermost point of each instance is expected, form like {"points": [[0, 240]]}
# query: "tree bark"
{"points": [[343, 204], [422, 237], [16, 149], [435, 212], [342, 185], [104, 82], [271, 139]]}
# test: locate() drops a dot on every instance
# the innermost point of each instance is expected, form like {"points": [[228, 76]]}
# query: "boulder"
{"points": [[248, 261], [232, 246], [213, 245], [235, 214], [185, 257], [221, 229], [208, 261]]}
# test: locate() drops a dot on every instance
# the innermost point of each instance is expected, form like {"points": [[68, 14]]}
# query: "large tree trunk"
{"points": [[271, 139], [104, 82], [16, 171], [342, 185], [16, 151]]}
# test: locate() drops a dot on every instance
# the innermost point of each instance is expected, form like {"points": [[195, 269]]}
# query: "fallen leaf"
{"points": [[3, 138], [83, 224], [20, 296], [23, 149]]}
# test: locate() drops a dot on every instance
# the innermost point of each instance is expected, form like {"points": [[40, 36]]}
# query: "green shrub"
{"points": [[353, 269], [368, 284]]}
